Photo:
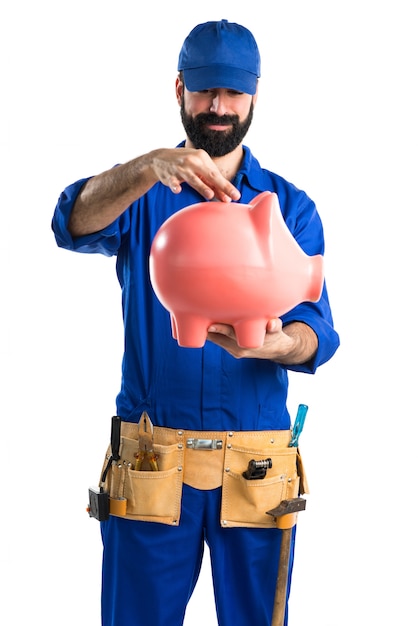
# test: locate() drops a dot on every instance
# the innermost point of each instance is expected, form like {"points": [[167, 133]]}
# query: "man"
{"points": [[150, 568]]}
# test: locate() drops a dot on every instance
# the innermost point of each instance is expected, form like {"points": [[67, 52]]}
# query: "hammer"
{"points": [[285, 514]]}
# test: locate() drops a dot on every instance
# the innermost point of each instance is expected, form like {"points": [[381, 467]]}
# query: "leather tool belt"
{"points": [[205, 460]]}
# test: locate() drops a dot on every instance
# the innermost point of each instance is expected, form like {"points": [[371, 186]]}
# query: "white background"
{"points": [[88, 84]]}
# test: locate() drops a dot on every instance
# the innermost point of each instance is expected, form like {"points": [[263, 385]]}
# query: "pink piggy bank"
{"points": [[232, 263]]}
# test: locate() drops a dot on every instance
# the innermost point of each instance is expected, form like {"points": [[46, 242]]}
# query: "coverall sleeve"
{"points": [[306, 226], [106, 241], [318, 317]]}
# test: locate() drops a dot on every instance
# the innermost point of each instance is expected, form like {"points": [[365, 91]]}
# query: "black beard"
{"points": [[215, 143]]}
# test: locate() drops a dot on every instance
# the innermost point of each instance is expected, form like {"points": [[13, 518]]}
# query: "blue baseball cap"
{"points": [[220, 55]]}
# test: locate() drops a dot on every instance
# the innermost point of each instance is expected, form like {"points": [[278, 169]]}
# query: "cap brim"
{"points": [[220, 77]]}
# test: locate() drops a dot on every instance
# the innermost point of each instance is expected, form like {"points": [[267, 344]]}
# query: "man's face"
{"points": [[216, 120]]}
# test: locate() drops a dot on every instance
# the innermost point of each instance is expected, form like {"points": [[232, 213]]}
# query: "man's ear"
{"points": [[255, 96], [179, 90]]}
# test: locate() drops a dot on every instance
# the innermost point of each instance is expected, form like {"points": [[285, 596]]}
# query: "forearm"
{"points": [[106, 196], [302, 344]]}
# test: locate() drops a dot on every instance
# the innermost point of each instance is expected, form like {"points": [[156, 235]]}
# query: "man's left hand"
{"points": [[293, 344]]}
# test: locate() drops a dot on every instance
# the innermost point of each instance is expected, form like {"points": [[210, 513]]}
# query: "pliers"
{"points": [[145, 444]]}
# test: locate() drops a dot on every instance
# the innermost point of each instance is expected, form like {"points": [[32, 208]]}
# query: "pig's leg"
{"points": [[250, 333], [190, 330]]}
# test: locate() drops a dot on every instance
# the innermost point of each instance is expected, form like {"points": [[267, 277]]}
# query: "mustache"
{"points": [[212, 118]]}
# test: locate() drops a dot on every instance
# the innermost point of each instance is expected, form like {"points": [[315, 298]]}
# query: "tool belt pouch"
{"points": [[245, 502], [153, 496]]}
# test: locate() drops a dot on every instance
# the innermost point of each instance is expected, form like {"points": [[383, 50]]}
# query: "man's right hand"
{"points": [[195, 167], [106, 196]]}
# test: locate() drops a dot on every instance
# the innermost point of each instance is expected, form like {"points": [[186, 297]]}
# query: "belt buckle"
{"points": [[204, 444]]}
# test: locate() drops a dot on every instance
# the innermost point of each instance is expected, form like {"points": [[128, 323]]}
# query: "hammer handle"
{"points": [[282, 579]]}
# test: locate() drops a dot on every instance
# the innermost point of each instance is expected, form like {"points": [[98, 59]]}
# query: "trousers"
{"points": [[150, 569]]}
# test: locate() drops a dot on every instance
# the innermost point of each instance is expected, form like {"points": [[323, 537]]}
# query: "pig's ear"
{"points": [[265, 210], [259, 198]]}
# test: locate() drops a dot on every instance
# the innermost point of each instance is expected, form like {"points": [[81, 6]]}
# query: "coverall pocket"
{"points": [[245, 501]]}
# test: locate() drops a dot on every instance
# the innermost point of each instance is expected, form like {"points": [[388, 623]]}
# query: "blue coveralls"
{"points": [[195, 389]]}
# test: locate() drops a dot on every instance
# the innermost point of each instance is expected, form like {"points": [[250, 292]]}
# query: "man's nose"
{"points": [[218, 105]]}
